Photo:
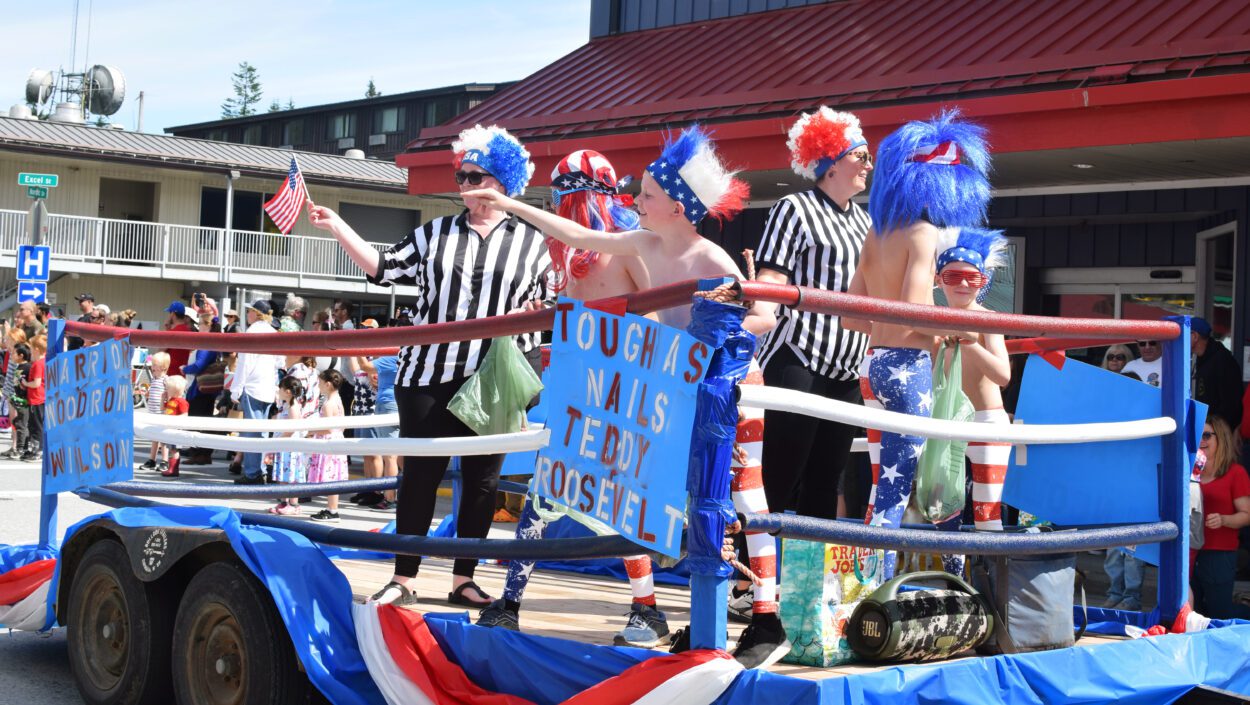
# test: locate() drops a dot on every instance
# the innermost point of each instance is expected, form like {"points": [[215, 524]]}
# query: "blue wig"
{"points": [[499, 153], [935, 170]]}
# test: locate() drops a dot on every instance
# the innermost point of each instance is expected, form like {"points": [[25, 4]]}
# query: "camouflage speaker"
{"points": [[919, 625]]}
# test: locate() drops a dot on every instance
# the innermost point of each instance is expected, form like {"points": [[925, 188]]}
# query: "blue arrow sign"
{"points": [[33, 262], [36, 292]]}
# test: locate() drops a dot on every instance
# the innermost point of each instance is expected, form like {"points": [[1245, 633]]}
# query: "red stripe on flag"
{"points": [[637, 681], [18, 584]]}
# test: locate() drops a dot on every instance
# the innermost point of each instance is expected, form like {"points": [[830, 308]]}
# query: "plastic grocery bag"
{"points": [[940, 489], [824, 583], [493, 399]]}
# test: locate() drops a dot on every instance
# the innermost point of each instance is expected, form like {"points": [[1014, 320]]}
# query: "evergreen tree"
{"points": [[247, 92], [372, 91], [275, 106], [290, 103]]}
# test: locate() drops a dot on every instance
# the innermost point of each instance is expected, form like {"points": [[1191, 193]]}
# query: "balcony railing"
{"points": [[185, 247]]}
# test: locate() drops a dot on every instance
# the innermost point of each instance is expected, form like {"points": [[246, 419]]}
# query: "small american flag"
{"points": [[288, 203]]}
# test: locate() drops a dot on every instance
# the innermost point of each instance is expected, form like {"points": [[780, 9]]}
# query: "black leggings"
{"points": [[804, 457], [423, 414]]}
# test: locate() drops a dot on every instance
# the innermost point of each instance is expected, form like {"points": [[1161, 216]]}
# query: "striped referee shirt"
{"points": [[817, 244], [463, 276]]}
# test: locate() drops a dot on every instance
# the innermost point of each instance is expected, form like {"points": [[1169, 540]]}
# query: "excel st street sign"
{"points": [[46, 180]]}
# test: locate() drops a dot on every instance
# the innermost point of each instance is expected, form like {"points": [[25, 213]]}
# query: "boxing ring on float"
{"points": [[338, 647]]}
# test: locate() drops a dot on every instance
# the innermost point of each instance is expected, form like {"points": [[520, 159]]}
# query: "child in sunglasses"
{"points": [[966, 259]]}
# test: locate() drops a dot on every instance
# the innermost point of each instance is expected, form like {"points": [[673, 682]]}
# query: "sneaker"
{"points": [[286, 510], [679, 641], [646, 626], [740, 607], [394, 594], [11, 454], [235, 469], [367, 498], [161, 467], [245, 480], [497, 614], [149, 465], [1128, 604], [385, 505], [31, 457], [503, 516], [762, 643], [326, 516]]}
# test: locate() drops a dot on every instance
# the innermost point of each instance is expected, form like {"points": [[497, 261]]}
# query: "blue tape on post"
{"points": [[1174, 473], [48, 502]]}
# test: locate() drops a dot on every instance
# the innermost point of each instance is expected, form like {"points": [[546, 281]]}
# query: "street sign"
{"points": [[48, 180], [32, 262], [34, 292], [36, 192]]}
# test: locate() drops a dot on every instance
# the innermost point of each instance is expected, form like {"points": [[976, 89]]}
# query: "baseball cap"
{"points": [[1200, 326], [369, 323], [176, 307], [84, 297]]}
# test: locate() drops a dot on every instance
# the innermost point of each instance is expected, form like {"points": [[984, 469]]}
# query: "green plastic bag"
{"points": [[494, 399], [940, 490]]}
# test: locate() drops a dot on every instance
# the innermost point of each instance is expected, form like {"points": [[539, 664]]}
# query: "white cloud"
{"points": [[181, 55]]}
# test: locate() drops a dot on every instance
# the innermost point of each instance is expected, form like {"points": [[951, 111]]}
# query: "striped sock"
{"points": [[641, 579], [747, 488], [873, 435]]}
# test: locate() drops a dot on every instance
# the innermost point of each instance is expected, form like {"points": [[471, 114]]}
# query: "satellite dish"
{"points": [[39, 86], [105, 89]]}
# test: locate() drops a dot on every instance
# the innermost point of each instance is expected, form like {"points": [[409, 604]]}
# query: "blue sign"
{"points": [[89, 418], [33, 262], [35, 292], [620, 396]]}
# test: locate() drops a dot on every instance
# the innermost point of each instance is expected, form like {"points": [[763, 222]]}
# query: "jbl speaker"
{"points": [[922, 624]]}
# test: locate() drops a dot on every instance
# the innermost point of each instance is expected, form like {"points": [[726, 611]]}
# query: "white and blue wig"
{"points": [[690, 171], [498, 153], [935, 170]]}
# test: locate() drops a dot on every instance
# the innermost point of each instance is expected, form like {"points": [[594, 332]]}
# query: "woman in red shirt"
{"points": [[1226, 503]]}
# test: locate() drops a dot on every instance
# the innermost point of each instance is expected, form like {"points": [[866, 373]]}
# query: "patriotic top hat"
{"points": [[584, 189]]}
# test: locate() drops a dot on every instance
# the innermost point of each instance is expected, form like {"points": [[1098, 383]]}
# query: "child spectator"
{"points": [[174, 404], [34, 398], [19, 399], [328, 467], [364, 401], [291, 467], [158, 366]]}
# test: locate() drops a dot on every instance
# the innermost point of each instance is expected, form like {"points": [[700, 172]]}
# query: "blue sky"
{"points": [[182, 54]]}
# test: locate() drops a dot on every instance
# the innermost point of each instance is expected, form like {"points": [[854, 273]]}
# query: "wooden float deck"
{"points": [[584, 608]]}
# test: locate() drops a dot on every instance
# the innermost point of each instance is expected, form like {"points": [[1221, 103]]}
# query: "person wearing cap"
{"points": [[231, 324], [482, 262], [814, 238], [177, 321], [254, 386], [1217, 376], [86, 305]]}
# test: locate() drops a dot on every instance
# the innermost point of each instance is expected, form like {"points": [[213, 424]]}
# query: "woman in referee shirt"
{"points": [[480, 263], [814, 238]]}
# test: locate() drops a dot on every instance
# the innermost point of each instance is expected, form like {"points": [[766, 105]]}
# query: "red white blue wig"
{"points": [[818, 140], [585, 190], [497, 152], [982, 248], [690, 172], [935, 170]]}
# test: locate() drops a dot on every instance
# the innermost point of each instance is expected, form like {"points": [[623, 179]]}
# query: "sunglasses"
{"points": [[475, 178], [1206, 435], [955, 277], [1117, 357], [861, 157], [1148, 344]]}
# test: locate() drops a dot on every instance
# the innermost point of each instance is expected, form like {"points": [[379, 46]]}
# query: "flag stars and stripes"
{"points": [[287, 204]]}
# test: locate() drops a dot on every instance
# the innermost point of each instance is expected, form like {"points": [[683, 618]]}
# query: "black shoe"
{"points": [[679, 641], [149, 465], [325, 516], [385, 505], [762, 643], [235, 468], [368, 499], [245, 480], [394, 594], [161, 467], [31, 457], [497, 614]]}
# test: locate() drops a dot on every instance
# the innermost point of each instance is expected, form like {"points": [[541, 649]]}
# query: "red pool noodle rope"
{"points": [[1093, 331]]}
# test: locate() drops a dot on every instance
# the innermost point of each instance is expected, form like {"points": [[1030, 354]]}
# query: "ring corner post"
{"points": [[1174, 473], [719, 326], [48, 502]]}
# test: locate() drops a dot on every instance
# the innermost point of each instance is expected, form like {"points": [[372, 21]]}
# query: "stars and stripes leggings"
{"points": [[900, 380], [747, 489]]}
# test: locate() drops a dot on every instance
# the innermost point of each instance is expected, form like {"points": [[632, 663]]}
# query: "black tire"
{"points": [[119, 631], [230, 646]]}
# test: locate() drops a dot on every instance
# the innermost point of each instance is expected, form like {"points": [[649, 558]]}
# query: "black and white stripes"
{"points": [[817, 244], [463, 276]]}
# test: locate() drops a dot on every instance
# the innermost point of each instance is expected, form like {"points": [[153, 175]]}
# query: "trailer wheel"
{"points": [[230, 646], [119, 631]]}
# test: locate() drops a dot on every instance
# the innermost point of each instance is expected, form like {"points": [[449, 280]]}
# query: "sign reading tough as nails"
{"points": [[621, 399], [89, 414]]}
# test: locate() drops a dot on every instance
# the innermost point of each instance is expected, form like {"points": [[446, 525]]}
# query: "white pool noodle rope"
{"points": [[777, 399], [227, 425], [532, 439]]}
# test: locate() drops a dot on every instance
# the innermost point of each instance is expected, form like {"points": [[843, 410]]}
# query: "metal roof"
{"points": [[861, 53], [81, 141]]}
